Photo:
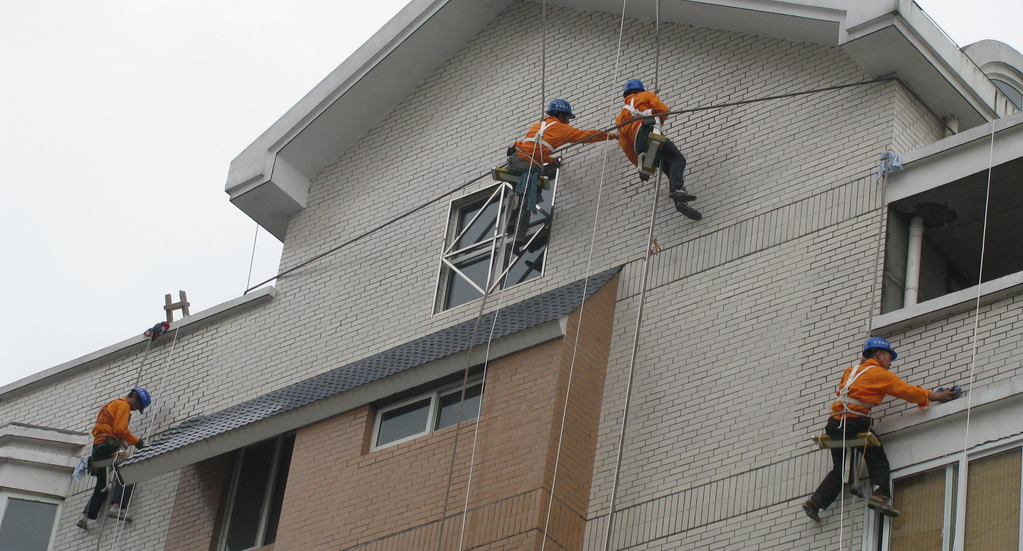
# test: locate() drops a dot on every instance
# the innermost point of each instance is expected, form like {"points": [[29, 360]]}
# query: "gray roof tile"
{"points": [[533, 311]]}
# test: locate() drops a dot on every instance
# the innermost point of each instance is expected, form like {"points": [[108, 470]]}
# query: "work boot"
{"points": [[83, 522], [687, 211], [116, 512], [812, 510], [882, 505], [681, 194]]}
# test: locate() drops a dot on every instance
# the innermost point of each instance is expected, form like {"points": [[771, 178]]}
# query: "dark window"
{"points": [[27, 525], [404, 421], [471, 262], [257, 493], [449, 403], [952, 220]]}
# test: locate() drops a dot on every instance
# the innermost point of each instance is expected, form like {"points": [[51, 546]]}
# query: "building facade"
{"points": [[326, 411]]}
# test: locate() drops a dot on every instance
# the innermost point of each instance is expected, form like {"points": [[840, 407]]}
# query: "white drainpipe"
{"points": [[916, 243]]}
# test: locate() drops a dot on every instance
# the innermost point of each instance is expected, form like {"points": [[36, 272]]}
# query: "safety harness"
{"points": [[636, 113], [845, 400], [538, 139]]}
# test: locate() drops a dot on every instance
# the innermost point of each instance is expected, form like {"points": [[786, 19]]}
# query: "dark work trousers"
{"points": [[120, 494], [518, 164], [877, 462], [673, 163]]}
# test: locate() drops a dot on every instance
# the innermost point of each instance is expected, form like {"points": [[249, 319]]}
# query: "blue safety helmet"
{"points": [[878, 342], [634, 85], [144, 398], [560, 106]]}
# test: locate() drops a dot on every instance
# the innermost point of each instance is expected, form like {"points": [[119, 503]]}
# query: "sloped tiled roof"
{"points": [[543, 308]]}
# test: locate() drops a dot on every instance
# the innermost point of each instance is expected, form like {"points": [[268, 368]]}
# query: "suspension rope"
{"points": [[497, 256], [543, 59], [976, 314], [252, 259], [125, 507], [657, 44], [632, 362], [582, 305], [558, 150]]}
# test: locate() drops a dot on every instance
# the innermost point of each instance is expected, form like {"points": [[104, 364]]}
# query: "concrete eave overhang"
{"points": [[335, 405], [137, 344], [269, 180], [957, 157]]}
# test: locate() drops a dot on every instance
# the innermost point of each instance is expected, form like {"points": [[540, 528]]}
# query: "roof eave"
{"points": [[269, 180]]}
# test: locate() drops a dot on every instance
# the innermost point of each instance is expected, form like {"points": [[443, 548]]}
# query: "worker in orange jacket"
{"points": [[532, 155], [863, 387], [633, 139], [110, 434]]}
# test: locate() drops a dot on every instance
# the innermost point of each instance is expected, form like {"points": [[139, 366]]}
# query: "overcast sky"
{"points": [[118, 121]]}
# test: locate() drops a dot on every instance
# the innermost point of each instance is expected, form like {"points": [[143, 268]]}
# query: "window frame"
{"points": [[501, 192], [961, 461], [6, 495], [434, 395], [264, 511]]}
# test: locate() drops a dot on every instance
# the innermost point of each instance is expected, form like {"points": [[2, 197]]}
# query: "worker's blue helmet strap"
{"points": [[878, 343], [560, 106], [144, 399], [632, 86]]}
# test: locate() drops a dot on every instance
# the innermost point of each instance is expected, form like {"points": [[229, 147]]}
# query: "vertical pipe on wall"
{"points": [[914, 250]]}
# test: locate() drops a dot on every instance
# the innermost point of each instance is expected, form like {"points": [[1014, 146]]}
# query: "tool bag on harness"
{"points": [[650, 156]]}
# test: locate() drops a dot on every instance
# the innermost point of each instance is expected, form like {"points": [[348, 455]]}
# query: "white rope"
{"points": [[582, 305], [125, 506], [252, 259], [976, 314]]}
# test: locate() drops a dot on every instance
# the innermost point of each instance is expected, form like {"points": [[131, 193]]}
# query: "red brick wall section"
{"points": [[340, 496], [196, 505]]}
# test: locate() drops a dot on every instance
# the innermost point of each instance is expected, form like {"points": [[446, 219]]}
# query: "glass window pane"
{"points": [[250, 495], [280, 483], [922, 506], [459, 290], [402, 422], [27, 525], [530, 262], [449, 406], [481, 229], [992, 502]]}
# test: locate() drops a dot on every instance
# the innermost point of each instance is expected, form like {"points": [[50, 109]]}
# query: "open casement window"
{"points": [[425, 413], [27, 522], [257, 493], [471, 263], [935, 237], [934, 516]]}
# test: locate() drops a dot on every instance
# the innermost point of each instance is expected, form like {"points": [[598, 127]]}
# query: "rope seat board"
{"points": [[861, 440], [650, 158], [501, 174]]}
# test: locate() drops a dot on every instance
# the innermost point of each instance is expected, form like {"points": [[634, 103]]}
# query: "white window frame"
{"points": [[431, 420], [962, 461], [6, 495], [500, 193], [264, 511]]}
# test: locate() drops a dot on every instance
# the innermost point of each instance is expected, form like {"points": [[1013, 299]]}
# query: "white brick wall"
{"points": [[750, 315]]}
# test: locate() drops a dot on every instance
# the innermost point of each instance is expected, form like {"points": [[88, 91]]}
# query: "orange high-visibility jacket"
{"points": [[113, 421], [643, 102], [873, 386], [555, 135]]}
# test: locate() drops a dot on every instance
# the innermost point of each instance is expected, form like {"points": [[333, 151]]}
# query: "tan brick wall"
{"points": [[197, 505], [340, 496]]}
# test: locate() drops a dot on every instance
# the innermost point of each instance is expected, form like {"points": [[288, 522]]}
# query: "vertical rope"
{"points": [[582, 305], [252, 260], [632, 363], [543, 59], [976, 308], [657, 42]]}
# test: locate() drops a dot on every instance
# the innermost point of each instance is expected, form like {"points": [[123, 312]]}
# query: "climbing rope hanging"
{"points": [[585, 291], [489, 286]]}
